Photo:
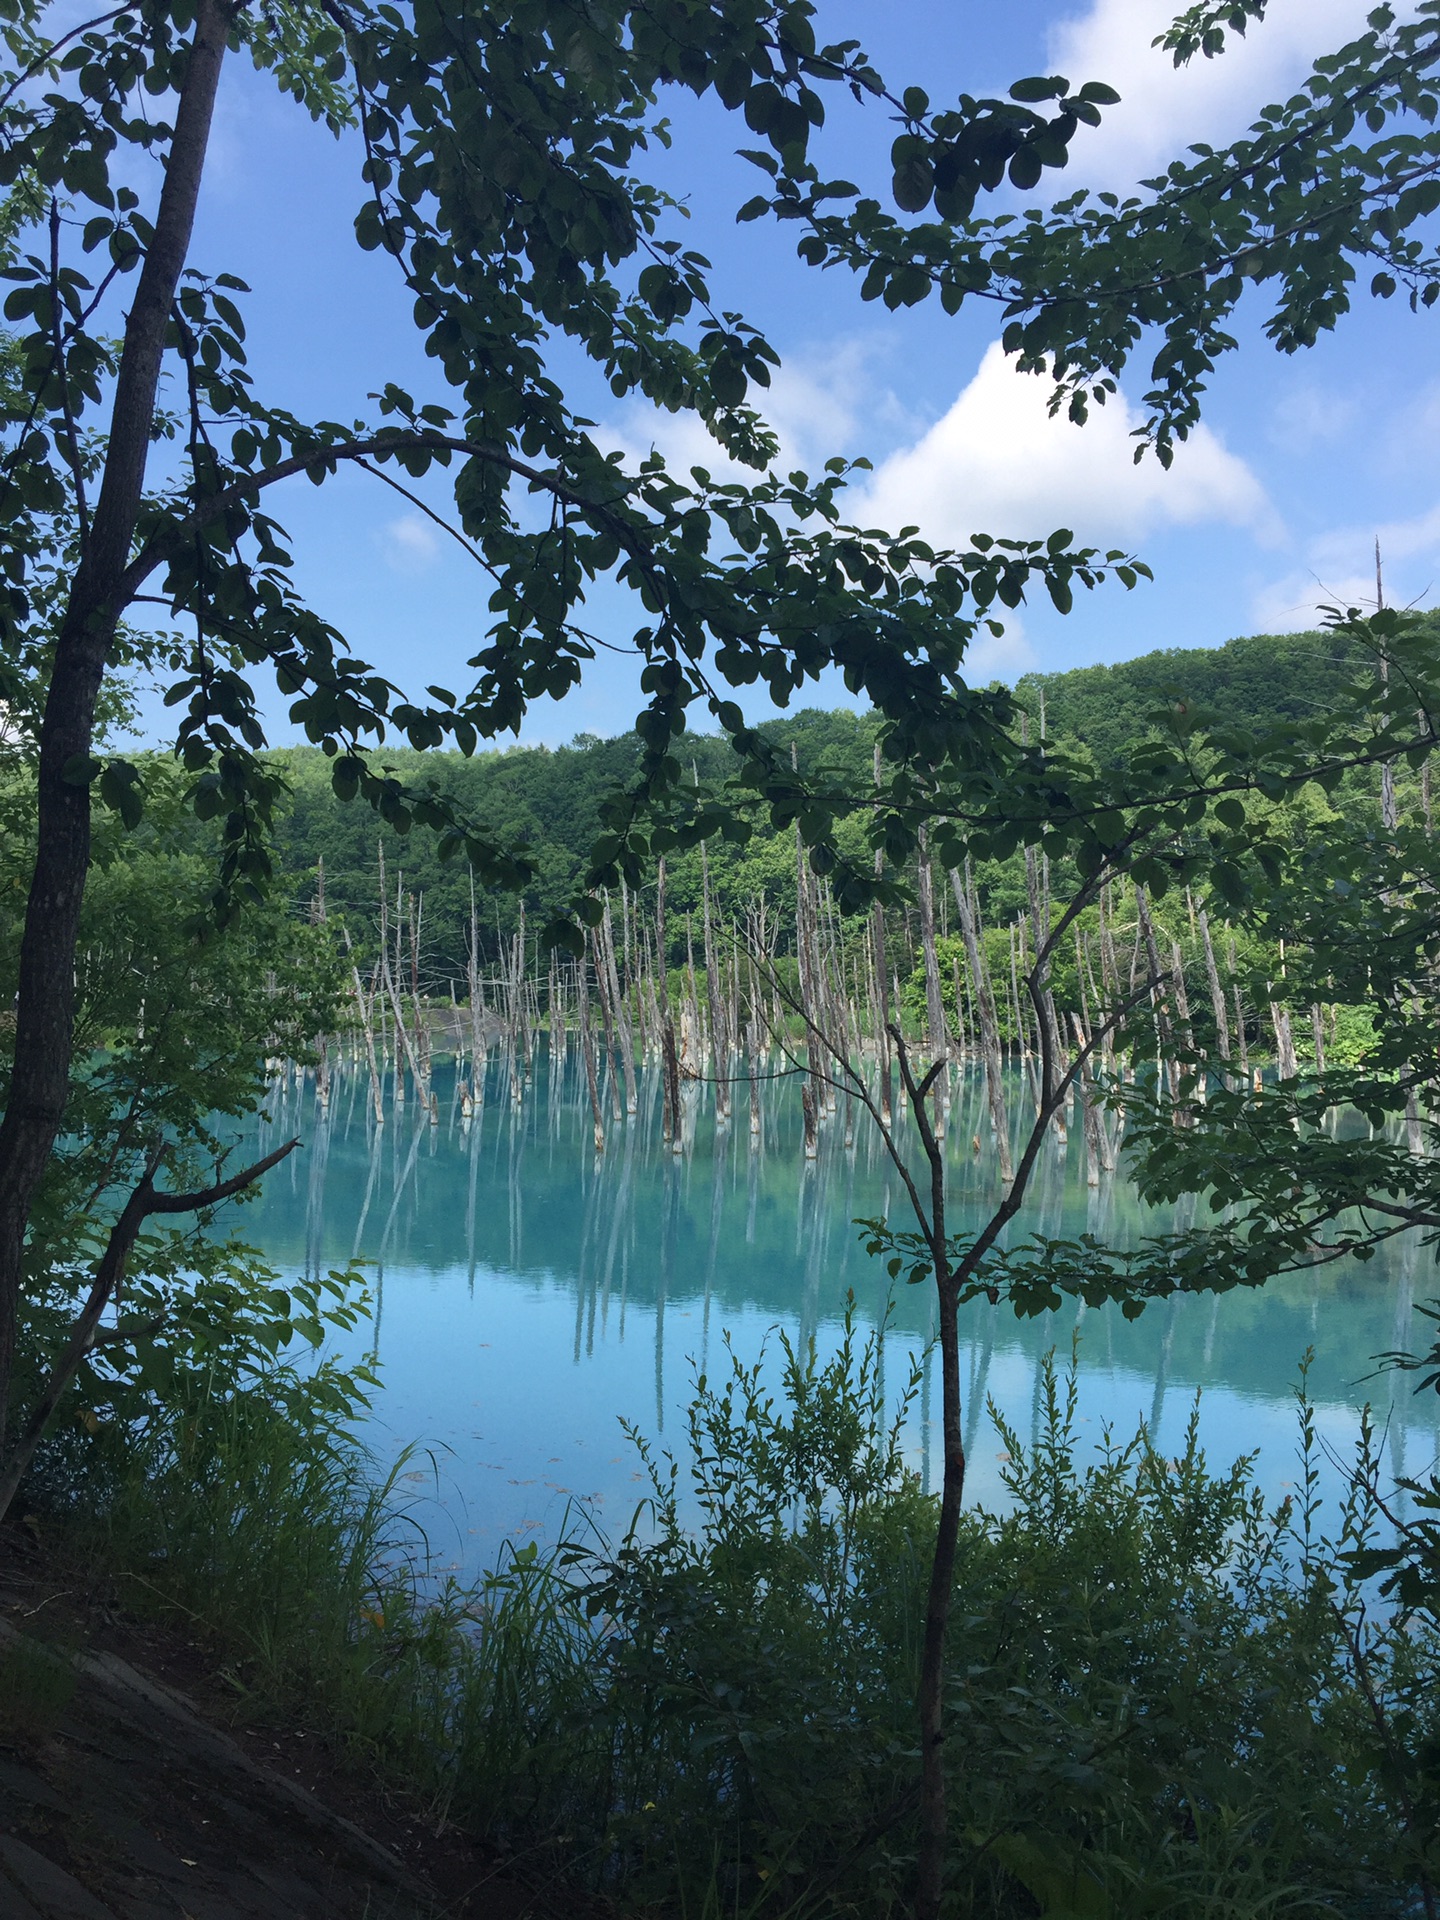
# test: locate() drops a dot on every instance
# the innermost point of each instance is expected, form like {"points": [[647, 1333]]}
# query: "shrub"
{"points": [[1163, 1698]]}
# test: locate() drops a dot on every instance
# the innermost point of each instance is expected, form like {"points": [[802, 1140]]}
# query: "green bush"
{"points": [[1162, 1697]]}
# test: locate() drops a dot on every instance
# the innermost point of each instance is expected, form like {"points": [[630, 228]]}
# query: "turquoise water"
{"points": [[530, 1294]]}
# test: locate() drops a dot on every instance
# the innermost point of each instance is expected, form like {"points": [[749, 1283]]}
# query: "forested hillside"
{"points": [[1259, 681], [550, 797]]}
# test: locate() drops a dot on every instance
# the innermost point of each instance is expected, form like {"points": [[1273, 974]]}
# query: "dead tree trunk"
{"points": [[587, 1046], [1160, 1006], [1287, 1065], [419, 1010], [936, 1034], [1217, 992], [669, 1058], [620, 1000], [881, 1015], [389, 979], [607, 1021], [365, 1013], [479, 1048], [805, 956], [969, 912], [1050, 1044], [719, 1025]]}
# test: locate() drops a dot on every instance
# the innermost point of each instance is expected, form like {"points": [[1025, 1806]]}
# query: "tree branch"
{"points": [[223, 1189], [110, 1271], [165, 544], [45, 997]]}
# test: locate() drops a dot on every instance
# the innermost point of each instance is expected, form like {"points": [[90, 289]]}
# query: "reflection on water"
{"points": [[529, 1294]]}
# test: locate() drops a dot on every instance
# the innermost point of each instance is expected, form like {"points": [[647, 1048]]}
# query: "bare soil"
{"points": [[131, 1789]]}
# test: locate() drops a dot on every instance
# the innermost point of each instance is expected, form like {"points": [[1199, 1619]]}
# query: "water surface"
{"points": [[531, 1294]]}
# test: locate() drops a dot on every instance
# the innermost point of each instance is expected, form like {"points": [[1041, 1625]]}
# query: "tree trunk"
{"points": [[934, 1809], [587, 1047], [365, 1011], [805, 950], [719, 1024], [938, 1037], [479, 1048], [1217, 992], [986, 1019], [621, 1002], [607, 1020], [1159, 1000], [45, 999]]}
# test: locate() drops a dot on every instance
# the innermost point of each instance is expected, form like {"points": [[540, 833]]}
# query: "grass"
{"points": [[35, 1688], [1163, 1698]]}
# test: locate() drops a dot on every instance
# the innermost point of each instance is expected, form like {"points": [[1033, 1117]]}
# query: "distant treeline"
{"points": [[1263, 681], [548, 798]]}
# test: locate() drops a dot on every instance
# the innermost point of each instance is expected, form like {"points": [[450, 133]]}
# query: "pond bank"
{"points": [[133, 1784]]}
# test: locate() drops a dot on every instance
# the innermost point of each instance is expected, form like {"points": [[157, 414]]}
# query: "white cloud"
{"points": [[1003, 656], [827, 401], [997, 463], [1311, 416], [1163, 109], [411, 543], [1339, 571]]}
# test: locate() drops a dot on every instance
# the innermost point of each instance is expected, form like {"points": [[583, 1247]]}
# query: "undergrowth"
{"points": [[1163, 1698]]}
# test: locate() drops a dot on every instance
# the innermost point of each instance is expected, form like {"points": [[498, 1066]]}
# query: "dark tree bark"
{"points": [[109, 1272], [934, 1809], [45, 1001]]}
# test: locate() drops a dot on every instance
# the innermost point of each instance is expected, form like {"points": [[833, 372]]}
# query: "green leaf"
{"points": [[1026, 168], [564, 936], [913, 176], [1039, 88]]}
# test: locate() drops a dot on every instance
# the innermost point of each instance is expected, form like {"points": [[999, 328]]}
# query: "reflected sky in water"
{"points": [[530, 1295]]}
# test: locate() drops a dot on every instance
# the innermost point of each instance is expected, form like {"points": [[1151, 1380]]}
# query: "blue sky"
{"points": [[1270, 511]]}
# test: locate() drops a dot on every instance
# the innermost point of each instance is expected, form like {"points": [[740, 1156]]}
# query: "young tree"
{"points": [[1357, 913], [173, 1036]]}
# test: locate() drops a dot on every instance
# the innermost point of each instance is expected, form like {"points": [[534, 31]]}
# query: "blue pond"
{"points": [[530, 1294]]}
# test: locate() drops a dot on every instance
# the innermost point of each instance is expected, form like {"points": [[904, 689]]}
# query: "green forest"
{"points": [[547, 801]]}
